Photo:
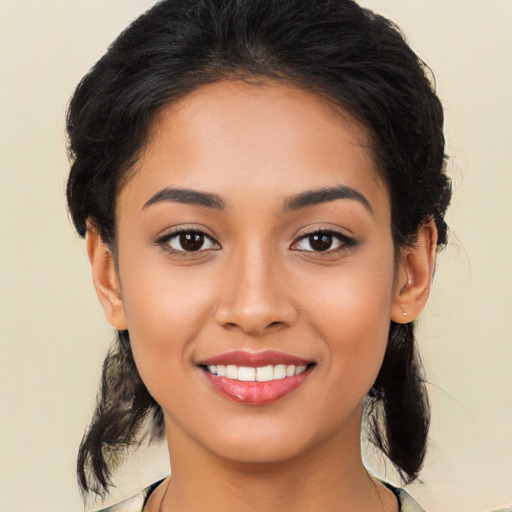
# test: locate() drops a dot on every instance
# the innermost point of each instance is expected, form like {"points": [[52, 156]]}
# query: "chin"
{"points": [[269, 452], [266, 442]]}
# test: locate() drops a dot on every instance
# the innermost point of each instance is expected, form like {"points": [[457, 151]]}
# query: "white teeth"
{"points": [[232, 371], [259, 374], [279, 371], [264, 373], [246, 374], [299, 370]]}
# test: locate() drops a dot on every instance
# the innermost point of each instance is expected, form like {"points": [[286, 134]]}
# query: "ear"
{"points": [[105, 278], [414, 276]]}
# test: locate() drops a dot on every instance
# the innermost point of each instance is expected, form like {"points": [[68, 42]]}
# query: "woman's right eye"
{"points": [[188, 241]]}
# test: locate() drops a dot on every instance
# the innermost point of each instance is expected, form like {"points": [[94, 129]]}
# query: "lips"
{"points": [[254, 359], [256, 378]]}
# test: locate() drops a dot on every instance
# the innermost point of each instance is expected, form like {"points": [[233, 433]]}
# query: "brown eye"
{"points": [[323, 241], [190, 241]]}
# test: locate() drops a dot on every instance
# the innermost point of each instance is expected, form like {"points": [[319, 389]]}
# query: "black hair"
{"points": [[357, 59]]}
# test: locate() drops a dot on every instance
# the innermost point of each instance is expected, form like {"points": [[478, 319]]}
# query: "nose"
{"points": [[254, 297]]}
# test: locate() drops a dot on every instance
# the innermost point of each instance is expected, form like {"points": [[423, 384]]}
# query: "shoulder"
{"points": [[134, 503], [409, 504], [406, 501]]}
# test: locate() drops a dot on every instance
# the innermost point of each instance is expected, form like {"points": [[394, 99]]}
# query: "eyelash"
{"points": [[344, 241]]}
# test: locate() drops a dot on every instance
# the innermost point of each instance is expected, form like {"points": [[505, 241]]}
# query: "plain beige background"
{"points": [[53, 335]]}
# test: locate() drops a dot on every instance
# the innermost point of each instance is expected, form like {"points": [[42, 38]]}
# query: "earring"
{"points": [[403, 312]]}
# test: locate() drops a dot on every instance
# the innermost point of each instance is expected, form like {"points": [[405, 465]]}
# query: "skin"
{"points": [[255, 284]]}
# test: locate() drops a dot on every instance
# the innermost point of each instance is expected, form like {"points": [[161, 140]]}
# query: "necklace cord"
{"points": [[161, 506]]}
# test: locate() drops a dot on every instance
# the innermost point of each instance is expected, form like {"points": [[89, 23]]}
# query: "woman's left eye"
{"points": [[322, 241], [189, 241]]}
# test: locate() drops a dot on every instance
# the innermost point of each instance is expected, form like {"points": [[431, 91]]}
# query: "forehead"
{"points": [[266, 137]]}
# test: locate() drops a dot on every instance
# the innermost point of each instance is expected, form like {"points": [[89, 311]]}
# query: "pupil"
{"points": [[320, 242], [191, 241]]}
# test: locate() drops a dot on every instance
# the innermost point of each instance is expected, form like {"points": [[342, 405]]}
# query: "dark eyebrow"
{"points": [[186, 196], [325, 195]]}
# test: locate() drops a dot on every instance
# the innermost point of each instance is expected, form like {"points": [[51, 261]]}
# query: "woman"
{"points": [[262, 190]]}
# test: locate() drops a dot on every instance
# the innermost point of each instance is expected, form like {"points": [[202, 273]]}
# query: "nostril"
{"points": [[276, 324]]}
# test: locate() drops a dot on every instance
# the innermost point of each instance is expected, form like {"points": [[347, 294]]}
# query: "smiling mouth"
{"points": [[258, 374], [253, 382]]}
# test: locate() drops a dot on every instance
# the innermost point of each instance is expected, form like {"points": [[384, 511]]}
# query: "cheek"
{"points": [[352, 315], [165, 311]]}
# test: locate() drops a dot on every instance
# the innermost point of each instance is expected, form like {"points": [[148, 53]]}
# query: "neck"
{"points": [[329, 477]]}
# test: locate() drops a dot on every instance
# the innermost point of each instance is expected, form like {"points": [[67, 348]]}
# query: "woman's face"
{"points": [[255, 233]]}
